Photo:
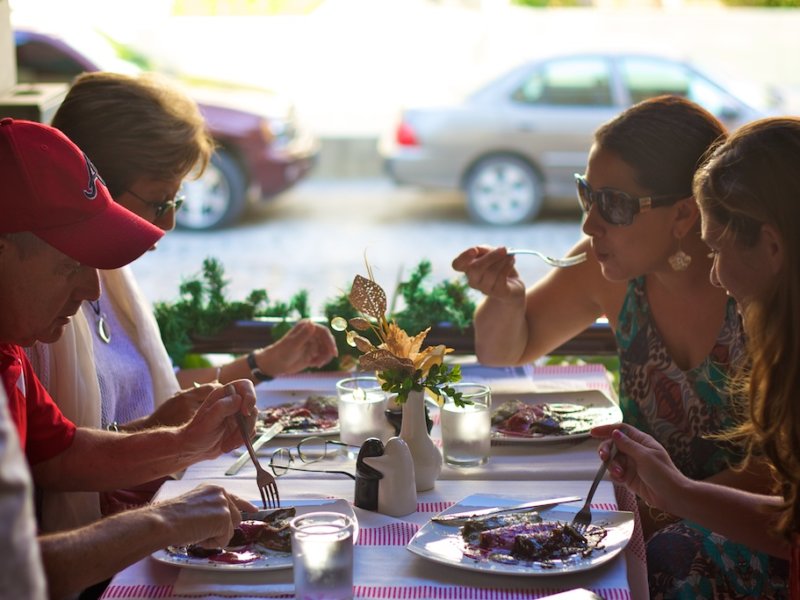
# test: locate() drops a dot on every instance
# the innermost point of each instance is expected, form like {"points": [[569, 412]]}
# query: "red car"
{"points": [[262, 150]]}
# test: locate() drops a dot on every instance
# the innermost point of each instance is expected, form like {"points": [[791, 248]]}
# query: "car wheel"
{"points": [[216, 199], [503, 190]]}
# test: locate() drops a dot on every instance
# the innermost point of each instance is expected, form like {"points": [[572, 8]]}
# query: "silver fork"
{"points": [[265, 481], [569, 261], [583, 518]]}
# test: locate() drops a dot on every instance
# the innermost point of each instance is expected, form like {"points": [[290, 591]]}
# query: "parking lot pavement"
{"points": [[318, 235]]}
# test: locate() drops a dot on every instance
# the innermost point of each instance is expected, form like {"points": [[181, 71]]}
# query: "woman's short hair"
{"points": [[664, 139], [134, 126]]}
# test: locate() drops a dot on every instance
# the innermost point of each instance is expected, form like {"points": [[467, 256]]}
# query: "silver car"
{"points": [[517, 142]]}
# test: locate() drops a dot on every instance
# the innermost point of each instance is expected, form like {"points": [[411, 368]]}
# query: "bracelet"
{"points": [[257, 373]]}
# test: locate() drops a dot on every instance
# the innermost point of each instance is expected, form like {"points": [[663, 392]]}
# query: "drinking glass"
{"points": [[322, 555], [466, 431], [362, 403]]}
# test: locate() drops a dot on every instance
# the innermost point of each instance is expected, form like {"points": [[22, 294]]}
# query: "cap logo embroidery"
{"points": [[91, 190]]}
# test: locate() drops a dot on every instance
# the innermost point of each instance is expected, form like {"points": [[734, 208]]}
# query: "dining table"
{"points": [[384, 567]]}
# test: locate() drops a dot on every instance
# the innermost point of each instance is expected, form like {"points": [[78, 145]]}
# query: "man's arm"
{"points": [[74, 560], [101, 460]]}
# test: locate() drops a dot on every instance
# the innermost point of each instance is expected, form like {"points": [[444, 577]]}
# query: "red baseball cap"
{"points": [[51, 189]]}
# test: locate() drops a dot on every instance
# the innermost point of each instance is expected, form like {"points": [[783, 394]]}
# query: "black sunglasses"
{"points": [[161, 208], [616, 207]]}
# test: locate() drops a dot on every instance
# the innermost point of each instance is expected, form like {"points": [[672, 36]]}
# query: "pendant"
{"points": [[103, 330]]}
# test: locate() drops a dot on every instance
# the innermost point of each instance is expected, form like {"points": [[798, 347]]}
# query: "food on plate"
{"points": [[526, 537], [314, 415], [249, 540], [518, 418]]}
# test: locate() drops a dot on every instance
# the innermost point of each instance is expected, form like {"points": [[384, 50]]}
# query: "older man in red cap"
{"points": [[59, 224]]}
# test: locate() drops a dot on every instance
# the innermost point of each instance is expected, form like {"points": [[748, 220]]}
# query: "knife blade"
{"points": [[268, 513], [265, 436], [526, 507]]}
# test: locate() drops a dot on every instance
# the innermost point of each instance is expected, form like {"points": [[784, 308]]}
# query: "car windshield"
{"points": [[761, 97]]}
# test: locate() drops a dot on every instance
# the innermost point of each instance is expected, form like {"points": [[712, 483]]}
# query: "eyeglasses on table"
{"points": [[310, 450]]}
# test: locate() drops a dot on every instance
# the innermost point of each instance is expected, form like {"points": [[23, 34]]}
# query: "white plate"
{"points": [[300, 434], [298, 397], [270, 559], [598, 409], [443, 544]]}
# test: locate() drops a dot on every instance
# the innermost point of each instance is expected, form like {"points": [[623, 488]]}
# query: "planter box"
{"points": [[243, 336]]}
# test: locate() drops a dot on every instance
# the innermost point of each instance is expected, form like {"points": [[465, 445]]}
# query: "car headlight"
{"points": [[278, 130]]}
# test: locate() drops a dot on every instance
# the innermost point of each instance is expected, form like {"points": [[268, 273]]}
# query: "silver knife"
{"points": [[527, 506], [265, 436]]}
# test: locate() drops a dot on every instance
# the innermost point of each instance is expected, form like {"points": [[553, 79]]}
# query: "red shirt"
{"points": [[44, 432]]}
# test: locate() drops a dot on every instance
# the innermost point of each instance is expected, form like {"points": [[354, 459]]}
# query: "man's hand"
{"points": [[213, 429], [207, 515], [491, 271], [179, 408]]}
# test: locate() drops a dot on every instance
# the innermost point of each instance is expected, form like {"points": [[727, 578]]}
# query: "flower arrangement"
{"points": [[401, 363]]}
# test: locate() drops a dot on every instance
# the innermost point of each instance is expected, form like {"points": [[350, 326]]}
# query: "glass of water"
{"points": [[322, 554], [466, 431]]}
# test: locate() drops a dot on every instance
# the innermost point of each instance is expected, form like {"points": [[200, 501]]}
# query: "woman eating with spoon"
{"points": [[749, 198], [678, 336]]}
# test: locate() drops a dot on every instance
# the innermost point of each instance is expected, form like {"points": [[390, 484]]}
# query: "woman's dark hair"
{"points": [[664, 139]]}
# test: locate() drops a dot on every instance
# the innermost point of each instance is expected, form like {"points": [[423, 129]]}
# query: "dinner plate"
{"points": [[443, 544], [303, 433], [585, 408], [269, 560], [298, 398]]}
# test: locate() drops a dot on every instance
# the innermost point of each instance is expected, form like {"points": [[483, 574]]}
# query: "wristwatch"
{"points": [[257, 373]]}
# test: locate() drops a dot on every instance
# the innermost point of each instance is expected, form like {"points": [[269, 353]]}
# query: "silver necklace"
{"points": [[103, 329]]}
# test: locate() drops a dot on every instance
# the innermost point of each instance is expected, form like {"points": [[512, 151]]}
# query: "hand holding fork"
{"points": [[264, 479], [583, 518]]}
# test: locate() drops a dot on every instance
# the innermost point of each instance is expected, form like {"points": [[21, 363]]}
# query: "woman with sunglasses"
{"points": [[749, 197], [678, 336], [110, 368]]}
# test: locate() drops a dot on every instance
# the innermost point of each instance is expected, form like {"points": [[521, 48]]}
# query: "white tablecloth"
{"points": [[384, 568]]}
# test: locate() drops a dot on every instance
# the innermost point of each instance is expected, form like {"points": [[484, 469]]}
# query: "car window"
{"points": [[570, 82], [646, 78]]}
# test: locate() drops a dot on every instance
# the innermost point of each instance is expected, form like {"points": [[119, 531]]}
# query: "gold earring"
{"points": [[679, 261]]}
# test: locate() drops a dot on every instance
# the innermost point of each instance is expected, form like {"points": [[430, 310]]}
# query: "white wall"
{"points": [[8, 65]]}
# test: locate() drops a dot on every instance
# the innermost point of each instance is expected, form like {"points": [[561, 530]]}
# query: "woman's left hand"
{"points": [[307, 344]]}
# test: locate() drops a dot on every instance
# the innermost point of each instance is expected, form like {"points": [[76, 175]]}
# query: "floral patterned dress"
{"points": [[679, 409]]}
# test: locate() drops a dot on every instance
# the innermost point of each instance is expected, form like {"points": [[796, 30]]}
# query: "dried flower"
{"points": [[402, 364]]}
